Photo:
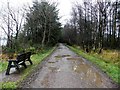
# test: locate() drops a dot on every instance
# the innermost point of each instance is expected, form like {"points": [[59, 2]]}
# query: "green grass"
{"points": [[3, 66], [36, 59], [111, 69], [8, 85]]}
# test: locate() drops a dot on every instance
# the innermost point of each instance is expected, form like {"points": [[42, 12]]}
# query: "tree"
{"points": [[42, 23], [118, 21], [12, 24], [5, 17], [96, 26]]}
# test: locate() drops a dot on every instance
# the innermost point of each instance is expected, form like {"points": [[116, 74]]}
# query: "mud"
{"points": [[51, 62], [62, 56], [65, 69]]}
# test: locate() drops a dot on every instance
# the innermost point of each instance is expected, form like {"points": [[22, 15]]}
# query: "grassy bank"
{"points": [[107, 65], [36, 59], [3, 66]]}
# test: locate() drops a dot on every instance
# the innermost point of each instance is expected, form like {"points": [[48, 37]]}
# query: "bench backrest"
{"points": [[28, 54], [21, 57]]}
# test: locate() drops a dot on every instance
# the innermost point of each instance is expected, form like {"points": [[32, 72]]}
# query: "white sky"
{"points": [[64, 6]]}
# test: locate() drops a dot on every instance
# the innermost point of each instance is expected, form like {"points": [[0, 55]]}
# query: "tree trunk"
{"points": [[49, 34], [44, 34]]}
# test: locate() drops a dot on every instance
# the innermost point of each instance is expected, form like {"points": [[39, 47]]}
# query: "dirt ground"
{"points": [[65, 69]]}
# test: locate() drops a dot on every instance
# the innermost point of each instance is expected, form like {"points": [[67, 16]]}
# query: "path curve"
{"points": [[65, 69]]}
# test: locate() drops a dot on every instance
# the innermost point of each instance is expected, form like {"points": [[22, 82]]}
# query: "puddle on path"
{"points": [[54, 69], [81, 68], [51, 62], [66, 55], [62, 56], [58, 57], [59, 47], [73, 58], [88, 74], [76, 60]]}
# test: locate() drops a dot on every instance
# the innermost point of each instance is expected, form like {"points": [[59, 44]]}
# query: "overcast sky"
{"points": [[63, 5]]}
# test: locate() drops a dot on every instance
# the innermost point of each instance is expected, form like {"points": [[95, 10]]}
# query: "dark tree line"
{"points": [[94, 26]]}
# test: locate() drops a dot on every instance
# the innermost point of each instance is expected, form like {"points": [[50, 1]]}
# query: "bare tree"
{"points": [[12, 23]]}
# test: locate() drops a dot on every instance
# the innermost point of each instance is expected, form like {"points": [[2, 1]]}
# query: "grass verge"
{"points": [[36, 59], [3, 66], [112, 70]]}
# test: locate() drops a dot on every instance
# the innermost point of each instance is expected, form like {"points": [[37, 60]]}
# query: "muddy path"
{"points": [[65, 69]]}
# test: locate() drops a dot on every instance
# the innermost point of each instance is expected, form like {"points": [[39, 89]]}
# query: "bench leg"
{"points": [[30, 61], [24, 65], [8, 68], [17, 66]]}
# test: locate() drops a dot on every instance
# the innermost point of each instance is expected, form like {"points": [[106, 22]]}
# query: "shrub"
{"points": [[31, 49]]}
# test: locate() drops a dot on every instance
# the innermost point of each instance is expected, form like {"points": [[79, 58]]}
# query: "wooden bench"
{"points": [[20, 60]]}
